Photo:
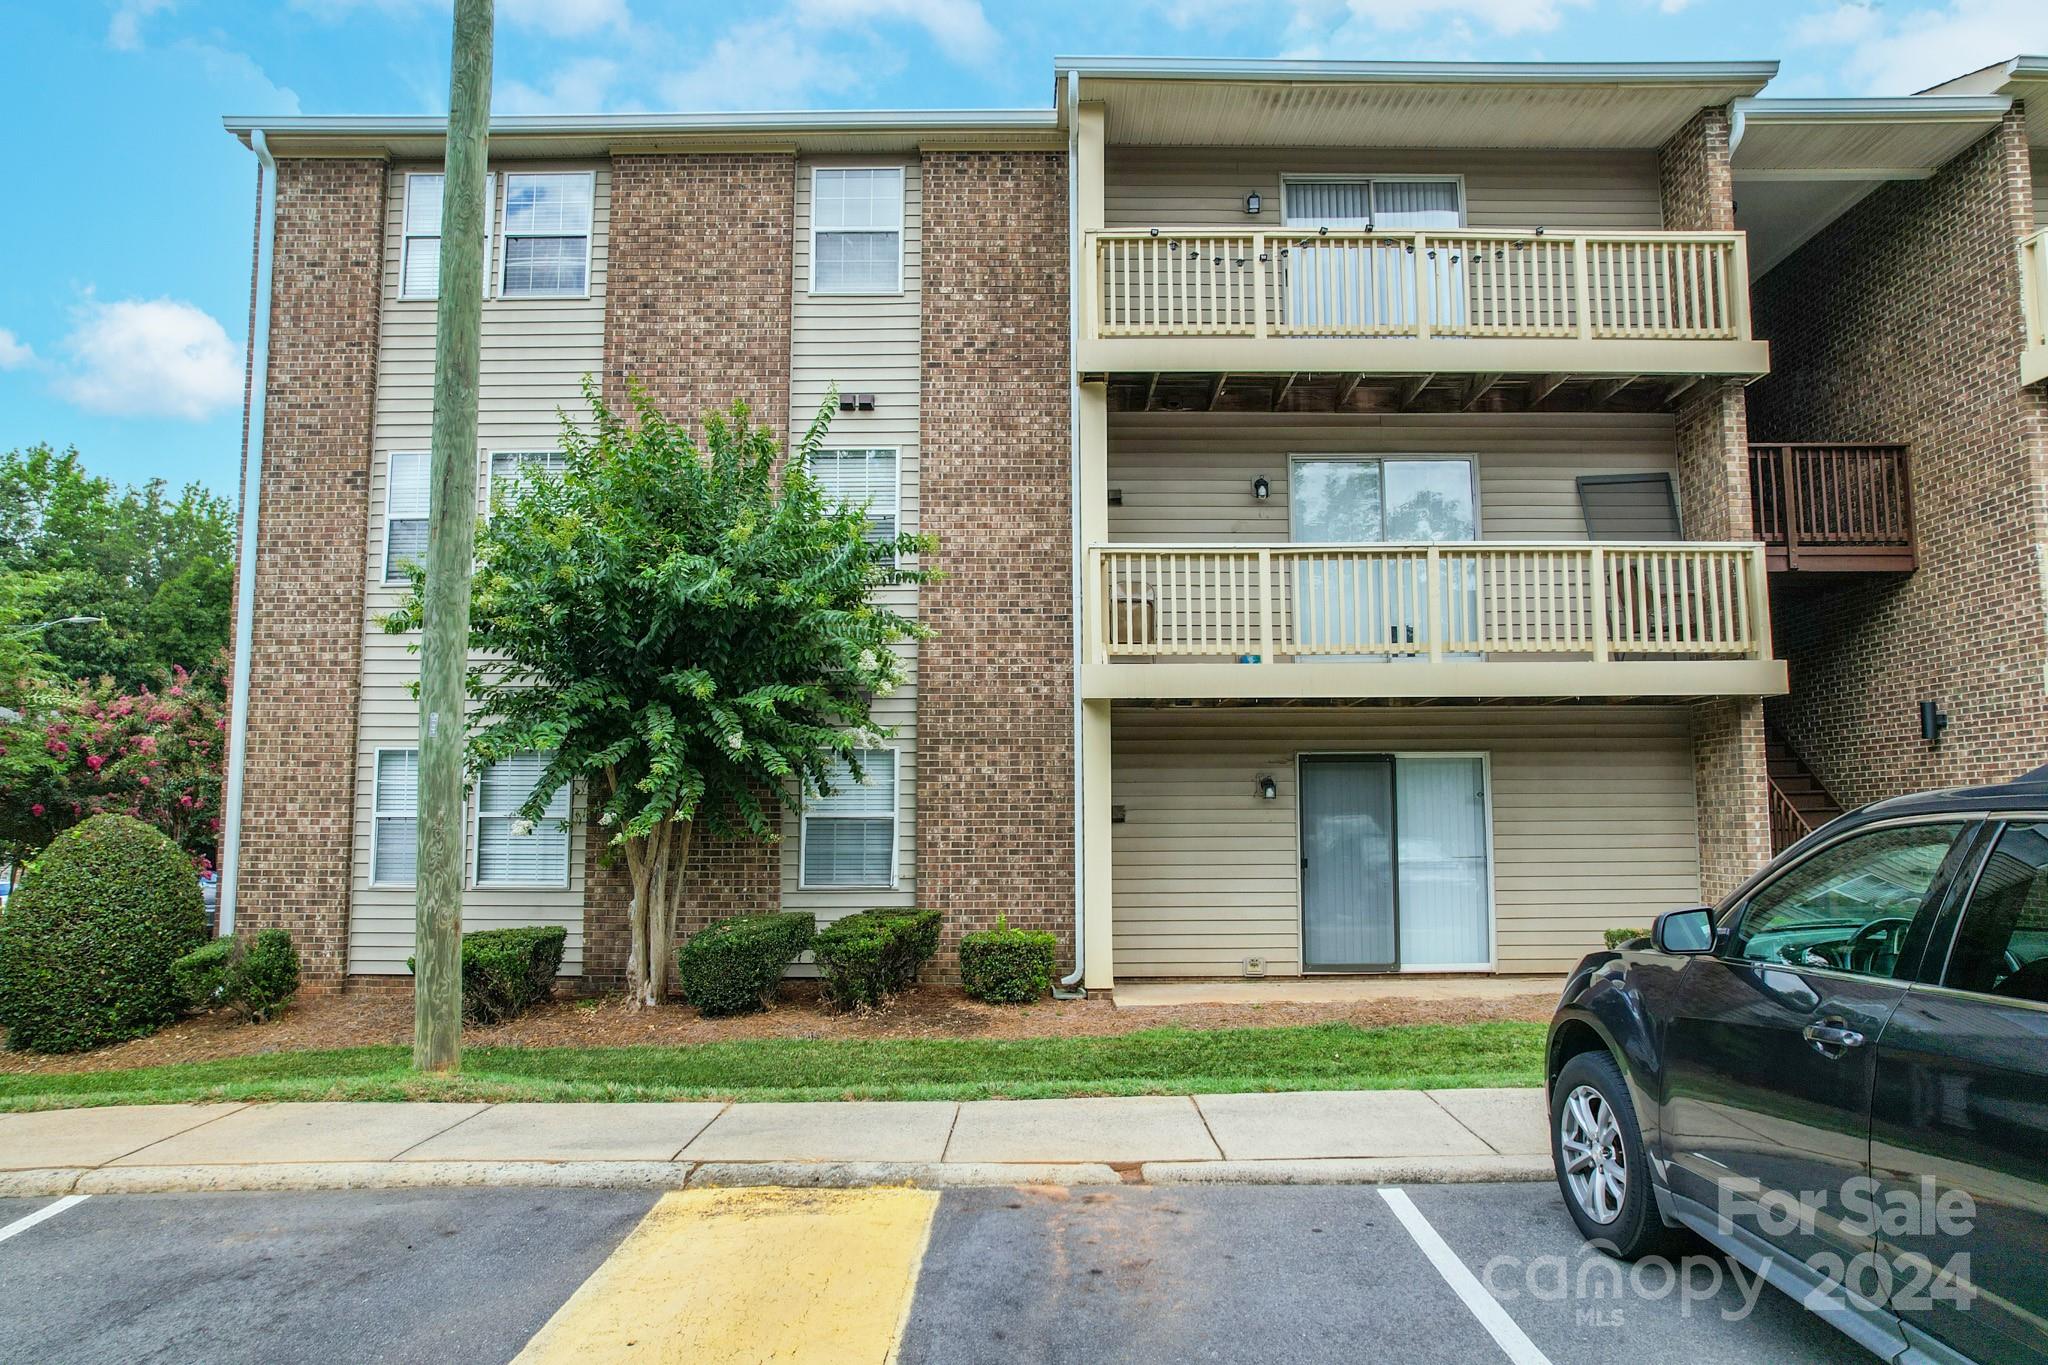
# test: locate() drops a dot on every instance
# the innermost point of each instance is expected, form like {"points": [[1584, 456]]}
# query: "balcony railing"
{"points": [[2034, 297], [1266, 604], [1833, 508], [1586, 286]]}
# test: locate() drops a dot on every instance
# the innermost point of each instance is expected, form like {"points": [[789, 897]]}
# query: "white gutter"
{"points": [[799, 121], [1069, 987], [1421, 73], [245, 577]]}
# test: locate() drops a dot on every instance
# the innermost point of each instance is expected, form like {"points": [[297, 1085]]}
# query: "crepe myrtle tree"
{"points": [[687, 630]]}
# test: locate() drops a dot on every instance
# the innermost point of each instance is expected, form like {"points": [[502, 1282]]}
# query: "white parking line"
{"points": [[1509, 1337], [46, 1211]]}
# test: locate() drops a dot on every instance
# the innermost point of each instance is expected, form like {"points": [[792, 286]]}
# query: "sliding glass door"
{"points": [[1394, 863], [1354, 284], [1373, 607]]}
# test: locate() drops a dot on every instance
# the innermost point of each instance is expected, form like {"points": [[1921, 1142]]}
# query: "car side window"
{"points": [[2002, 947], [1848, 907]]}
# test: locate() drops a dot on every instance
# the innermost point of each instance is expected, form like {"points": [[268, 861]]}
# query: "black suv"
{"points": [[1838, 1076]]}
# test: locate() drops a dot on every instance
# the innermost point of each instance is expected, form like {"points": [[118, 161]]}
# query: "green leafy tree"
{"points": [[158, 569], [689, 631], [22, 660]]}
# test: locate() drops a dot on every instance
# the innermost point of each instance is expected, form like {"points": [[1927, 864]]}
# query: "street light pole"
{"points": [[60, 621]]}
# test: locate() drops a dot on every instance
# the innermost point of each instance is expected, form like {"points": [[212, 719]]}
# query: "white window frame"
{"points": [[491, 476], [407, 236], [895, 454], [1371, 178], [804, 882], [476, 845], [589, 236], [384, 575], [377, 817], [902, 192]]}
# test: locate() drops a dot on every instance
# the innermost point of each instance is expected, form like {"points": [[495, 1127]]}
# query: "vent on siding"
{"points": [[1629, 506]]}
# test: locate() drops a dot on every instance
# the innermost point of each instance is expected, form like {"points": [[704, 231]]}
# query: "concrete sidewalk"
{"points": [[1306, 1137]]}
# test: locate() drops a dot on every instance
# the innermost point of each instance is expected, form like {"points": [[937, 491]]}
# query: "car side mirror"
{"points": [[1684, 931]]}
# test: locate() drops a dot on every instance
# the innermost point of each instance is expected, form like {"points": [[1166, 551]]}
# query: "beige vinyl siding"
{"points": [[1187, 476], [865, 343], [535, 353], [1593, 819], [2041, 190], [1206, 186]]}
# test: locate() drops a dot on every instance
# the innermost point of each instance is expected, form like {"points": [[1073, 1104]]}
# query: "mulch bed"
{"points": [[367, 1018]]}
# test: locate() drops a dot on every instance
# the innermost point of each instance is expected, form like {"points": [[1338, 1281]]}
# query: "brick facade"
{"points": [[697, 310], [299, 780], [995, 703], [1900, 322], [1729, 774]]}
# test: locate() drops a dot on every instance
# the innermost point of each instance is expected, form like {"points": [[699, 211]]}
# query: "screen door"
{"points": [[1348, 892]]}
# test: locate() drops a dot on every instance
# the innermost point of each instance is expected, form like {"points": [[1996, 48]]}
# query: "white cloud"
{"points": [[14, 352], [566, 18], [253, 91], [761, 64], [151, 358], [1501, 16], [959, 27], [124, 30], [1894, 52], [579, 87], [1338, 29]]}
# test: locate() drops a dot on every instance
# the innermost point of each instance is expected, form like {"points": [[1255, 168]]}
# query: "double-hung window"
{"points": [[857, 230], [405, 513], [510, 468], [394, 827], [419, 268], [849, 837], [862, 478], [546, 248], [511, 851]]}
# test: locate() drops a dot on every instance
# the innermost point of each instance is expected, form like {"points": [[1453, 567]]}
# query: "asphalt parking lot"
{"points": [[1131, 1273]]}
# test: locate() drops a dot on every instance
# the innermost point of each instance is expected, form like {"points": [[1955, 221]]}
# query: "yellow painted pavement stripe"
{"points": [[746, 1275]]}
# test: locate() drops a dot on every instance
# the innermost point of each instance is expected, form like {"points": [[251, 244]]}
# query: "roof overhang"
{"points": [[1172, 101], [2022, 78], [589, 135], [1801, 164]]}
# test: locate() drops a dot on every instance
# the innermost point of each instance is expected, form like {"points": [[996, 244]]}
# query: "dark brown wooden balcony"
{"points": [[1825, 510]]}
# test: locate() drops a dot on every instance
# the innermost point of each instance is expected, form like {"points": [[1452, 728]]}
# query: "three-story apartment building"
{"points": [[1342, 473]]}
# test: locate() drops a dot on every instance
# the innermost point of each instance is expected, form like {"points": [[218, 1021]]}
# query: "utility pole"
{"points": [[451, 539]]}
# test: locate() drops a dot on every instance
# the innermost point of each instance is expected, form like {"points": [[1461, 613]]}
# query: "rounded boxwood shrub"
{"points": [[1006, 966], [506, 972], [87, 943], [733, 966], [253, 979], [870, 956]]}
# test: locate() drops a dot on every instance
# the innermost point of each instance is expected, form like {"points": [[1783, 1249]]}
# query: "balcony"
{"points": [[1454, 620], [1423, 303], [2034, 295], [1826, 510]]}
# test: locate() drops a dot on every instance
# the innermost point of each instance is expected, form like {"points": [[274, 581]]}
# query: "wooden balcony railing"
{"points": [[1834, 508], [1596, 601], [1586, 286], [2034, 299]]}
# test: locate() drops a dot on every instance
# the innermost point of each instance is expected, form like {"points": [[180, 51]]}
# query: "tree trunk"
{"points": [[451, 522]]}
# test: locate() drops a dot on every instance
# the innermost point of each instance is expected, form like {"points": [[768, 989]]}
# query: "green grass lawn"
{"points": [[1153, 1062]]}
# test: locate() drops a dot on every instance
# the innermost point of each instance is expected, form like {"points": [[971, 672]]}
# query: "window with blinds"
{"points": [[547, 235], [856, 230], [405, 513], [394, 825], [849, 837], [510, 851], [511, 468], [419, 265], [863, 478]]}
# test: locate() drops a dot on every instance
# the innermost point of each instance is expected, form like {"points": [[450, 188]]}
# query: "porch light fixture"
{"points": [[1933, 720], [1252, 204], [1261, 489], [1269, 790]]}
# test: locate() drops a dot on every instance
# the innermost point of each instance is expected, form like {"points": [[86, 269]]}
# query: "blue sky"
{"points": [[123, 323]]}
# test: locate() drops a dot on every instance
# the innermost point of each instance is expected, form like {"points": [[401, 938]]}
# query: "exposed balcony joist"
{"points": [[1353, 391]]}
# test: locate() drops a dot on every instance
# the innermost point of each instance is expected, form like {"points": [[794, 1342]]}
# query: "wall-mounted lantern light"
{"points": [[1261, 489], [1933, 720], [1269, 790], [1252, 204]]}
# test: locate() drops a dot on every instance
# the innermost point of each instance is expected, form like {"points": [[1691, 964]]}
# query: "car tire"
{"points": [[1606, 1189]]}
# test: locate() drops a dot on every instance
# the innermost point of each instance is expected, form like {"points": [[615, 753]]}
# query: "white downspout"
{"points": [[245, 577], [1069, 987]]}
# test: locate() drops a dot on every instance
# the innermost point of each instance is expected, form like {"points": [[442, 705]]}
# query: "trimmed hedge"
{"points": [[733, 966], [87, 942], [506, 972], [1006, 966], [253, 980], [1617, 937], [870, 956]]}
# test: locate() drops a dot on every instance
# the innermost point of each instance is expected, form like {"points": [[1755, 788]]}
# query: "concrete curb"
{"points": [[930, 1175], [1461, 1170], [42, 1181]]}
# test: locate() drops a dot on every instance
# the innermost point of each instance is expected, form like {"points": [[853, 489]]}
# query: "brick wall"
{"points": [[299, 778], [1901, 322], [995, 827], [697, 309], [1729, 783]]}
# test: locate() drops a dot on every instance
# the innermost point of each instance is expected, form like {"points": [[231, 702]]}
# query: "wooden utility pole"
{"points": [[451, 539]]}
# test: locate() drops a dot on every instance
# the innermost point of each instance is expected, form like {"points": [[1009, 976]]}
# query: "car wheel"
{"points": [[1602, 1169]]}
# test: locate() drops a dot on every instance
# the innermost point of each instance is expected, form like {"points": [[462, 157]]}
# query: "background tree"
{"points": [[158, 568], [684, 631], [22, 660]]}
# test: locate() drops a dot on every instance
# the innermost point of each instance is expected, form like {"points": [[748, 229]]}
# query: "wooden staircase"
{"points": [[1799, 803]]}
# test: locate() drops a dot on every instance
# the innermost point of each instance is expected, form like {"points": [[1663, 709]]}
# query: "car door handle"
{"points": [[1832, 1035]]}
